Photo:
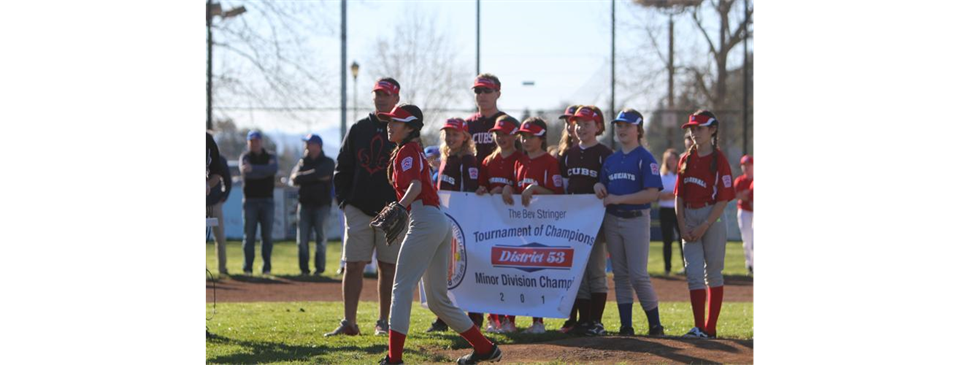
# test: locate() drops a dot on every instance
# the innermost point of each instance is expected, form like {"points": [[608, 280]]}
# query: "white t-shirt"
{"points": [[669, 182]]}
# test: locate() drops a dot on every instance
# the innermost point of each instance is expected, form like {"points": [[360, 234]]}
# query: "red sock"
{"points": [[395, 349], [714, 302], [493, 318], [698, 299], [480, 344]]}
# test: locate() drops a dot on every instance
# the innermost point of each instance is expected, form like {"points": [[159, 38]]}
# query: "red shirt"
{"points": [[543, 171], [411, 164], [740, 184], [696, 185], [497, 171]]}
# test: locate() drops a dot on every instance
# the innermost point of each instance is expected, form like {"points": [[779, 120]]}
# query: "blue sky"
{"points": [[562, 46]]}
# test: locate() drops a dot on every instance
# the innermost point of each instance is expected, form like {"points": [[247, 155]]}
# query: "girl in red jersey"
{"points": [[704, 186], [425, 247], [535, 173]]}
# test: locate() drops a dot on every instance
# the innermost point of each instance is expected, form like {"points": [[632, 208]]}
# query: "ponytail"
{"points": [[414, 134]]}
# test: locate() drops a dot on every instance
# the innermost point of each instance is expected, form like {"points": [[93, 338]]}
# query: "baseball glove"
{"points": [[391, 220]]}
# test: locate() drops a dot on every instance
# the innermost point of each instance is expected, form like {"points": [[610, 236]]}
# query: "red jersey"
{"points": [[543, 171], [497, 171], [697, 186], [411, 164], [740, 184]]}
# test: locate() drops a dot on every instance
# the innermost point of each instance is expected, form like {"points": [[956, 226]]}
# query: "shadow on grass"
{"points": [[255, 352]]}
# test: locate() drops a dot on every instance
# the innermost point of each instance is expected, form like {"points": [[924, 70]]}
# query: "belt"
{"points": [[626, 213], [697, 205]]}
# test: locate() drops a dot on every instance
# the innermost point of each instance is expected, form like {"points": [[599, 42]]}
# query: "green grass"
{"points": [[292, 333], [285, 262]]}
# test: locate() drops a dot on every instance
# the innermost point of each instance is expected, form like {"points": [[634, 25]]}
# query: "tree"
{"points": [[714, 84], [263, 58], [425, 62]]}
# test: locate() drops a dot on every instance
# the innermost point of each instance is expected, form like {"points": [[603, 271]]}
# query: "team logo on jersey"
{"points": [[474, 173], [622, 176], [726, 181], [531, 181], [654, 169], [407, 163], [557, 180], [448, 179], [531, 257], [500, 180], [483, 138], [581, 171], [694, 180], [457, 268]]}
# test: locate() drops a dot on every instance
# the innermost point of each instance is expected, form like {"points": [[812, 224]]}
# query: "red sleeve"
{"points": [[484, 179], [409, 166], [725, 184], [554, 179], [678, 187], [516, 175]]}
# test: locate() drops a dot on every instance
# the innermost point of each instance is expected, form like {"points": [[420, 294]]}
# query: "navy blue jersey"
{"points": [[629, 173]]}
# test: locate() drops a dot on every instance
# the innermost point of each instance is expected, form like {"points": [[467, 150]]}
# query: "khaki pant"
{"points": [[628, 240], [703, 259], [360, 240], [425, 252]]}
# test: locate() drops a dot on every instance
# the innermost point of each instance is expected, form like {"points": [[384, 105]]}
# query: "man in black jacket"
{"points": [[362, 190], [259, 169], [314, 175]]}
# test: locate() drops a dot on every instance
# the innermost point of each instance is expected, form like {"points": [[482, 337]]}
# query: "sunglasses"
{"points": [[482, 90]]}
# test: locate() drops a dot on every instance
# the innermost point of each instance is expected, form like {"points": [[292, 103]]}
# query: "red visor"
{"points": [[746, 159], [487, 83], [585, 113], [569, 112], [506, 127], [455, 124], [398, 114], [530, 127], [387, 86], [699, 120]]}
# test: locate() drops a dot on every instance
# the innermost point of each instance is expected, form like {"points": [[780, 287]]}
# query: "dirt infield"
{"points": [[629, 350], [289, 289]]}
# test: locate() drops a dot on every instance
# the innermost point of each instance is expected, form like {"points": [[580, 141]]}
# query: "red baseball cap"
{"points": [[387, 86], [586, 113], [746, 159], [485, 82], [532, 128], [699, 120], [506, 124], [456, 124], [405, 113], [571, 110]]}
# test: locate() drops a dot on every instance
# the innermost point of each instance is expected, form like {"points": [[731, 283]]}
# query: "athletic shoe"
{"points": [[437, 326], [473, 358], [568, 326], [581, 328], [340, 271], [304, 274], [508, 327], [536, 329], [381, 328], [248, 273], [595, 329], [696, 333], [492, 328], [318, 272], [266, 273], [345, 329], [626, 331], [386, 361], [656, 331], [224, 273]]}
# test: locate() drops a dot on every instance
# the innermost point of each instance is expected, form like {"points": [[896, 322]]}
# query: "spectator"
{"points": [[668, 213], [259, 169], [218, 195], [743, 186], [433, 157], [486, 89], [314, 175]]}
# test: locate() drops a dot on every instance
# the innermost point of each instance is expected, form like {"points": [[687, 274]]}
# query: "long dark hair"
{"points": [[713, 141], [414, 135]]}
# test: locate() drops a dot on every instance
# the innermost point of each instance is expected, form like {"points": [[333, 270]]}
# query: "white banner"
{"points": [[516, 260]]}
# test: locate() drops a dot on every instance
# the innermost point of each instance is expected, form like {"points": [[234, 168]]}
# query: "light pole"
{"points": [[214, 9], [355, 70]]}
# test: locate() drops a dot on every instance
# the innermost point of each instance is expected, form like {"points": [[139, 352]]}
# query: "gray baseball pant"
{"points": [[595, 275], [628, 240], [703, 259]]}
